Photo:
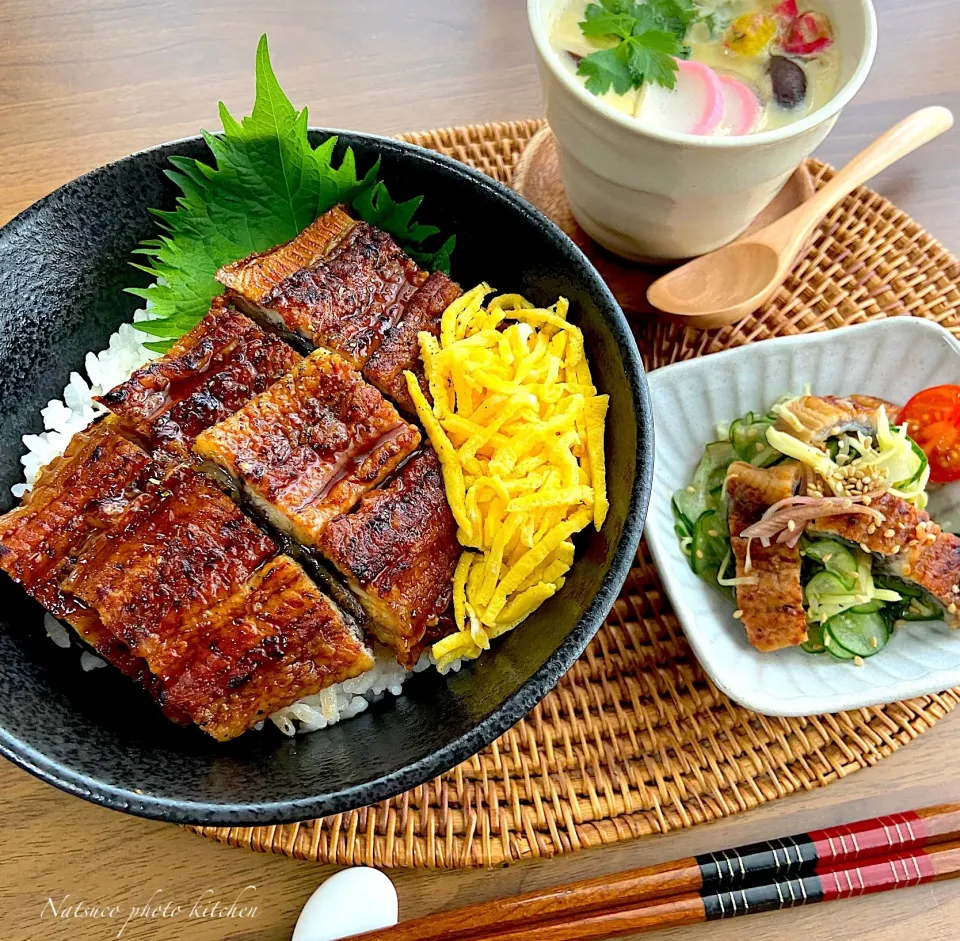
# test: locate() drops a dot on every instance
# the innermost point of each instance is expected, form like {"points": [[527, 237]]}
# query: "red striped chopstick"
{"points": [[881, 874], [838, 862]]}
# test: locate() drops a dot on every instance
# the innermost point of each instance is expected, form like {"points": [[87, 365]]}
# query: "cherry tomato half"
{"points": [[933, 421]]}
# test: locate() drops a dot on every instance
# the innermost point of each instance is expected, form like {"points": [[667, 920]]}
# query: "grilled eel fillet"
{"points": [[75, 496], [308, 448], [274, 640], [251, 279], [909, 544], [350, 299], [207, 375], [400, 349], [340, 285], [174, 551], [813, 418], [183, 581], [398, 552], [772, 609]]}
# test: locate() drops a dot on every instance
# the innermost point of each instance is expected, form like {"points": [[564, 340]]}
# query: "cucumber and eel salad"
{"points": [[852, 601]]}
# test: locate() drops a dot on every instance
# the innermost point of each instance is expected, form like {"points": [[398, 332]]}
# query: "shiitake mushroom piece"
{"points": [[789, 81]]}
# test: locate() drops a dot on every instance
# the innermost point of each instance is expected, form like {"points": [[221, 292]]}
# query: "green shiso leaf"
{"points": [[267, 184]]}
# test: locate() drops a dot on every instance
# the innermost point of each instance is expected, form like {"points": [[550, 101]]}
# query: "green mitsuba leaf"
{"points": [[649, 37], [266, 185]]}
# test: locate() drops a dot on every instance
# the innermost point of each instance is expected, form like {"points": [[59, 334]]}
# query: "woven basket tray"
{"points": [[636, 739]]}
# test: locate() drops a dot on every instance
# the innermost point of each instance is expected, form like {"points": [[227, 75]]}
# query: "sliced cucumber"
{"points": [[748, 435], [681, 525], [871, 607], [836, 558], [907, 465], [825, 585], [918, 452], [710, 545], [690, 504], [834, 649], [814, 641], [921, 609], [891, 583], [709, 549], [712, 471], [705, 491], [863, 635], [715, 501]]}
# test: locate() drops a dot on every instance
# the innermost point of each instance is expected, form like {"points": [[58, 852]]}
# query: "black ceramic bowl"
{"points": [[63, 265]]}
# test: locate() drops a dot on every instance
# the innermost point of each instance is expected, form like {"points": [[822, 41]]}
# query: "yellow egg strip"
{"points": [[518, 427]]}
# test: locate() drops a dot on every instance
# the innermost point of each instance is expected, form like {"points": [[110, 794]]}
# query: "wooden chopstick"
{"points": [[686, 885], [879, 874]]}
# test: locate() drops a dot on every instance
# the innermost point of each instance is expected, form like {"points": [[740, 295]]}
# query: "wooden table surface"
{"points": [[82, 83]]}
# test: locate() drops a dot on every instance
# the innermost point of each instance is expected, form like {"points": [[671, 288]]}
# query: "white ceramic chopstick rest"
{"points": [[349, 902]]}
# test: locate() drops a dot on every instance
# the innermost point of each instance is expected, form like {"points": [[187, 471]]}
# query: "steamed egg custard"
{"points": [[718, 68]]}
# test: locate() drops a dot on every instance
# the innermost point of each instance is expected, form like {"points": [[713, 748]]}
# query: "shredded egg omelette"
{"points": [[519, 429]]}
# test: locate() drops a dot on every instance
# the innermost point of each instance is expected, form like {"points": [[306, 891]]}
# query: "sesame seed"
{"points": [[826, 640], [699, 553], [952, 608], [907, 570], [738, 614], [895, 550], [858, 661], [871, 529], [867, 480], [829, 556], [791, 525], [874, 642], [864, 546], [956, 589], [713, 533], [889, 533], [863, 599], [851, 574], [691, 489], [759, 446]]}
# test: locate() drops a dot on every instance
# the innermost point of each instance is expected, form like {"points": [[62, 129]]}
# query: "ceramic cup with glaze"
{"points": [[651, 194]]}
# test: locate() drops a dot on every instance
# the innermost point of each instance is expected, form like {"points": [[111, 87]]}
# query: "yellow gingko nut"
{"points": [[751, 33], [514, 406]]}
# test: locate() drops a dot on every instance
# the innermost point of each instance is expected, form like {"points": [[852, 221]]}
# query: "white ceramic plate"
{"points": [[890, 358]]}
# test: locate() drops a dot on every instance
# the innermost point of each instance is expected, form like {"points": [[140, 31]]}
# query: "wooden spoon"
{"points": [[736, 280]]}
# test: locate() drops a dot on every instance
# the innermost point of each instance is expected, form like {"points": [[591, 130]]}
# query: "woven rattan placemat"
{"points": [[636, 740]]}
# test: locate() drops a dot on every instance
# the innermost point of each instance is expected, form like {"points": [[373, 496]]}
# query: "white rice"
{"points": [[56, 631], [63, 417], [74, 412]]}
